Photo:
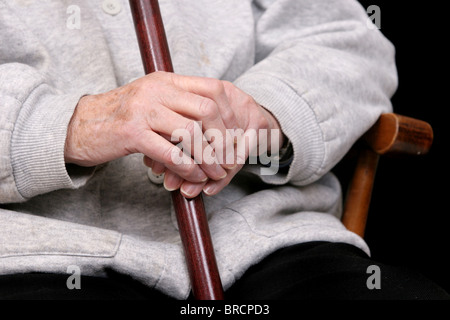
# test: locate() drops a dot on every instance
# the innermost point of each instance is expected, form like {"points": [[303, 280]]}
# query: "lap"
{"points": [[316, 270], [323, 270]]}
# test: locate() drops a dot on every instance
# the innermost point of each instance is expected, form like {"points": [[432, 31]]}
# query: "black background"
{"points": [[409, 221]]}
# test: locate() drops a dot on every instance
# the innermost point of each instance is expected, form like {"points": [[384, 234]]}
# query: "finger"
{"points": [[214, 187], [207, 112], [147, 161], [172, 181], [216, 91], [166, 122], [196, 145], [191, 190], [213, 89], [188, 189], [158, 167], [246, 146], [160, 150]]}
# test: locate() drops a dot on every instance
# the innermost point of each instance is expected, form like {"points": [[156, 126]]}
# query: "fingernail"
{"points": [[167, 188], [209, 189], [171, 183], [202, 177], [221, 171], [188, 191], [231, 166]]}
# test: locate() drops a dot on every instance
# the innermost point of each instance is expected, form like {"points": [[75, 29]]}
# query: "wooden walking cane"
{"points": [[191, 217]]}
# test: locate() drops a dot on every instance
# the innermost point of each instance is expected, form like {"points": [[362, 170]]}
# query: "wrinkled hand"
{"points": [[246, 114], [142, 117]]}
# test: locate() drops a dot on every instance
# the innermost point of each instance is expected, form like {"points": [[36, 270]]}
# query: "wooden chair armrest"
{"points": [[397, 134]]}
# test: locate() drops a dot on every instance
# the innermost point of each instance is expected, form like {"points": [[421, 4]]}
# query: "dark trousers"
{"points": [[316, 270]]}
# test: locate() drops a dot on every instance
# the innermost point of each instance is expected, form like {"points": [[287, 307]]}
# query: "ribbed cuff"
{"points": [[297, 121], [38, 140]]}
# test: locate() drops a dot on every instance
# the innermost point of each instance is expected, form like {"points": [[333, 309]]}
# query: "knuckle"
{"points": [[265, 124], [248, 100], [230, 89], [228, 117], [208, 108], [228, 86], [185, 170], [188, 170], [190, 128], [159, 75], [216, 86], [156, 81]]}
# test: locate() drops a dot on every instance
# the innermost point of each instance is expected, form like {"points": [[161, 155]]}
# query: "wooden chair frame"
{"points": [[392, 134]]}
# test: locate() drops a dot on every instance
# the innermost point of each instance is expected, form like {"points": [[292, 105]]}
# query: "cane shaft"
{"points": [[191, 216]]}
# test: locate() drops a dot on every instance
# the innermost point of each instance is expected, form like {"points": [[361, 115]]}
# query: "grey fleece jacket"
{"points": [[315, 64]]}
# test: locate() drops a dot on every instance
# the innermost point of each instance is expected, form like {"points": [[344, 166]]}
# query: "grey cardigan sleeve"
{"points": [[34, 117], [324, 74]]}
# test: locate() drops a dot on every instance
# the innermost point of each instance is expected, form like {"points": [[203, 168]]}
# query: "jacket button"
{"points": [[111, 7], [155, 178]]}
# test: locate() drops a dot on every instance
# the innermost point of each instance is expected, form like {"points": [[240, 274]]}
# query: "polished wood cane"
{"points": [[191, 216]]}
